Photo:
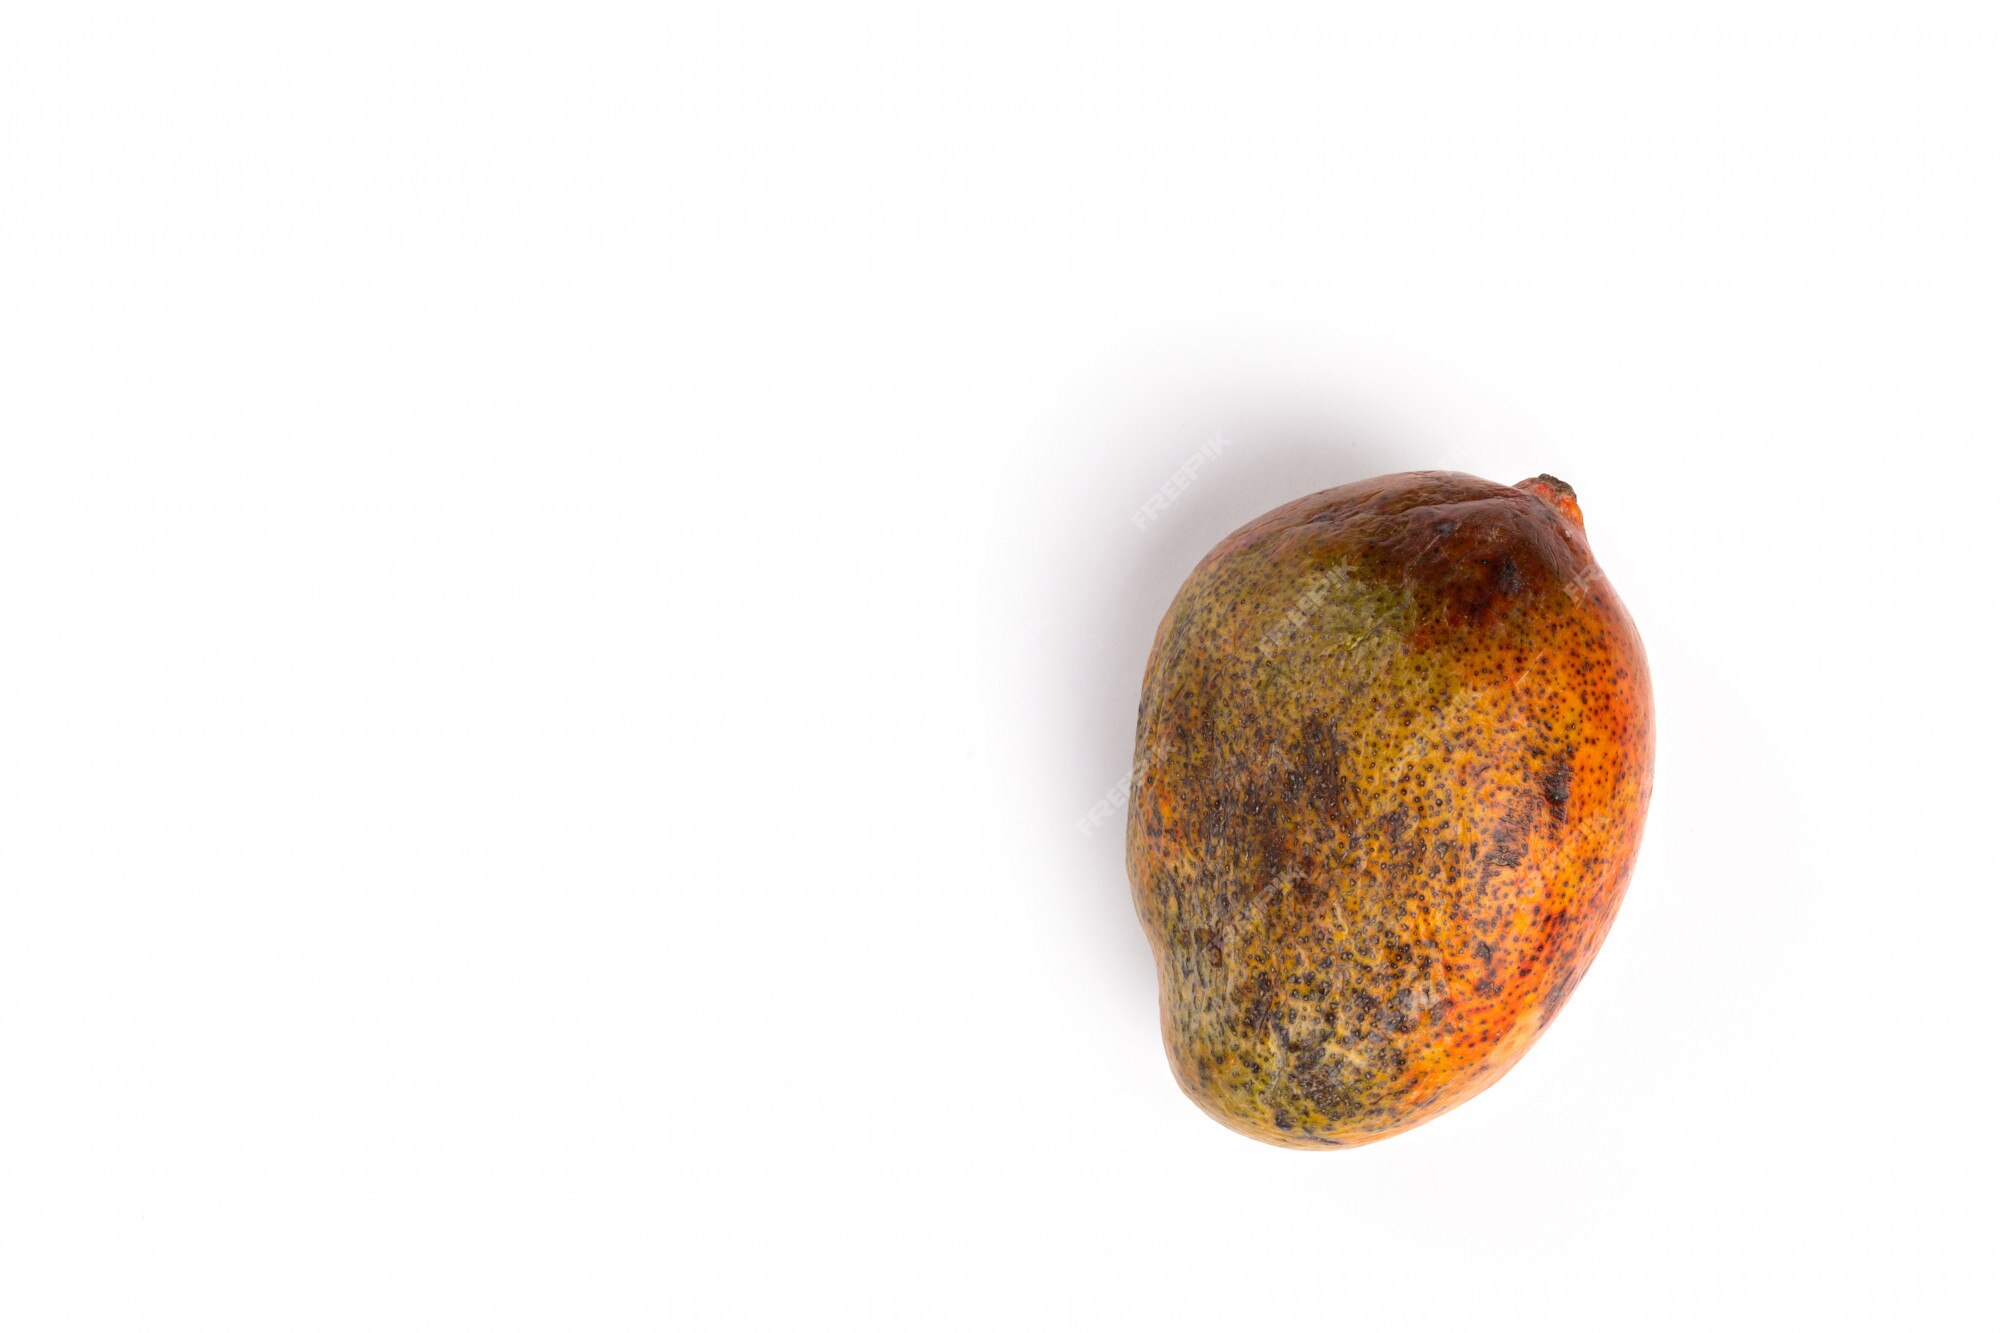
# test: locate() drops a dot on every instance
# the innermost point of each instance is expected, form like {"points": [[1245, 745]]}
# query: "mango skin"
{"points": [[1394, 754]]}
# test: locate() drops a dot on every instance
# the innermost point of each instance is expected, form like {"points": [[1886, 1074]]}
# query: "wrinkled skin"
{"points": [[1395, 749]]}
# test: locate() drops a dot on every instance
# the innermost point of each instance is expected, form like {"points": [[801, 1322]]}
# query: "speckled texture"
{"points": [[1395, 749]]}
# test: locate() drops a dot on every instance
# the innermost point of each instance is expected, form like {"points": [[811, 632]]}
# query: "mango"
{"points": [[1394, 753]]}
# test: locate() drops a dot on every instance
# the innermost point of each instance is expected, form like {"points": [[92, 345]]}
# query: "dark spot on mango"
{"points": [[1555, 787]]}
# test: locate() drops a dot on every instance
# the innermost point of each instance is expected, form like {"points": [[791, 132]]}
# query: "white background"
{"points": [[567, 575]]}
